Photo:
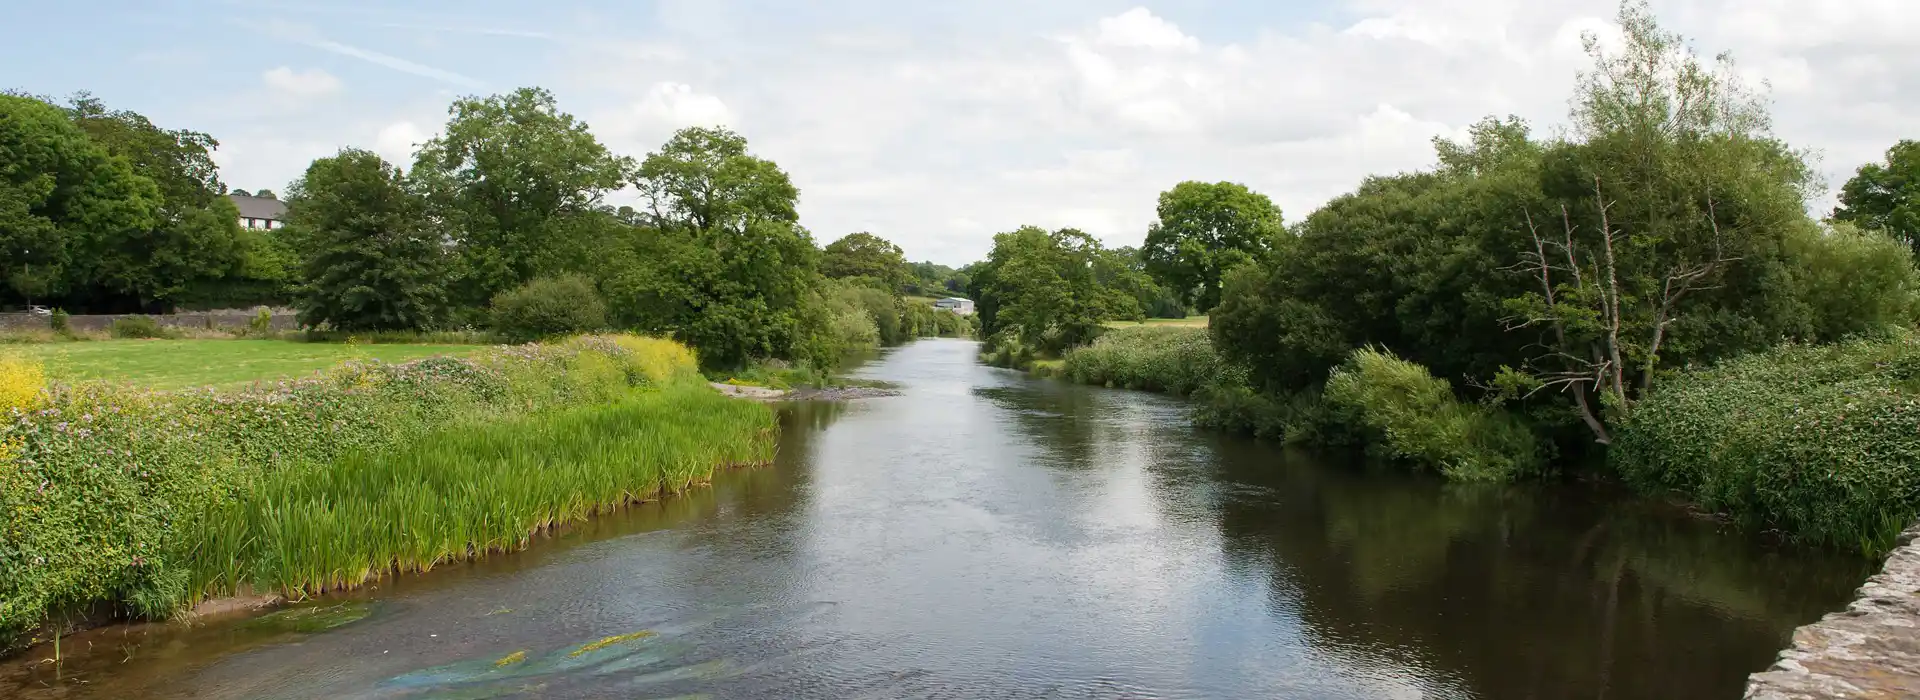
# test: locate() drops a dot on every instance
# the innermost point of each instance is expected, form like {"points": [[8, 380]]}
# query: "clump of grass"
{"points": [[1406, 414]]}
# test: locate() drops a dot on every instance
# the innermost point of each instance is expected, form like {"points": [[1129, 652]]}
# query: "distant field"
{"points": [[1196, 321], [169, 364]]}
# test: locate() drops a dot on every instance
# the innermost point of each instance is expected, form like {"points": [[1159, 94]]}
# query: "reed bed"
{"points": [[149, 500], [470, 490]]}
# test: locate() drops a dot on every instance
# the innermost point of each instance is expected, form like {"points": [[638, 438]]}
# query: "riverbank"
{"points": [[146, 502], [1869, 650]]}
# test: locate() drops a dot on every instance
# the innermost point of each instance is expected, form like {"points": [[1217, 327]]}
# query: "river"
{"points": [[989, 535]]}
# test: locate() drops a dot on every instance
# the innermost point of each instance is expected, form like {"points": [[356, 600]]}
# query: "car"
{"points": [[38, 310]]}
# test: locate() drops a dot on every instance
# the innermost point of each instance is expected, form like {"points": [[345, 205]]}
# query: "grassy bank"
{"points": [[166, 364], [1171, 358], [150, 500]]}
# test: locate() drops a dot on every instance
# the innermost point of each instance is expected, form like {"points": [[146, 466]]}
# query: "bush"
{"points": [[139, 327], [261, 325], [59, 321], [1407, 414], [1821, 442], [150, 499], [1172, 359], [549, 307]]}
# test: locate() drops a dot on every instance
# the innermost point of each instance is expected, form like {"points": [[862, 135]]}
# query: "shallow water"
{"points": [[985, 534]]}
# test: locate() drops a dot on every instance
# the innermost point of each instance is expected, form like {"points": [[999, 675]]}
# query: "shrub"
{"points": [[261, 324], [59, 321], [549, 307], [1821, 442], [151, 499], [139, 327], [1172, 359], [1407, 414]]}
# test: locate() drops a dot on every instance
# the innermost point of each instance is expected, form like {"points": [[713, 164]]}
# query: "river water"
{"points": [[989, 535]]}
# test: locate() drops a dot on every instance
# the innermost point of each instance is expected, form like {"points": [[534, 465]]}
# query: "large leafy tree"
{"points": [[510, 178], [719, 258], [1045, 288], [369, 260], [873, 259], [61, 194], [1204, 230], [1886, 196], [196, 241]]}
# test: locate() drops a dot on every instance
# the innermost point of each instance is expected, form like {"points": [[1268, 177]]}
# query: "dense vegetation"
{"points": [[1531, 302], [497, 223], [154, 499]]}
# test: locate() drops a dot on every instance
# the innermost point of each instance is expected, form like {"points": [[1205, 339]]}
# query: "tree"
{"points": [[509, 177], [867, 256], [58, 191], [1886, 196], [240, 192], [196, 241], [1204, 230], [369, 262], [1676, 191], [265, 194], [719, 259], [1044, 289]]}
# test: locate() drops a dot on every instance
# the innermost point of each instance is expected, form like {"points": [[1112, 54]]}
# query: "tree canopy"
{"points": [[868, 257], [369, 261], [1886, 196], [1045, 288], [1204, 230]]}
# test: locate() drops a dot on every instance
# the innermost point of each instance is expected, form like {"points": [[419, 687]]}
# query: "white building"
{"points": [[964, 307], [260, 212]]}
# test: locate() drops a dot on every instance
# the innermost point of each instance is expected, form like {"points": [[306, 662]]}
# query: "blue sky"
{"points": [[939, 124]]}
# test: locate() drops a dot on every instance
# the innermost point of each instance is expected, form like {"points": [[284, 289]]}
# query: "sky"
{"points": [[937, 125]]}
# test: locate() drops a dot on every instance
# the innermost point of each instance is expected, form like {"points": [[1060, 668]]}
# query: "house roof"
{"points": [[259, 207]]}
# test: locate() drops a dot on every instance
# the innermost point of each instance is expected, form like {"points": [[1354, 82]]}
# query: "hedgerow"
{"points": [[109, 491]]}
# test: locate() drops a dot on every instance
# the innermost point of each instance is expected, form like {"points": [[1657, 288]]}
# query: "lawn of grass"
{"points": [[169, 364], [1196, 321]]}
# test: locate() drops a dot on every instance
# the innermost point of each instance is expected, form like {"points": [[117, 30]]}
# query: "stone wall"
{"points": [[1870, 650], [235, 318]]}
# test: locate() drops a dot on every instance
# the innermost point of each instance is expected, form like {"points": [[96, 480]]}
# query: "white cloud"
{"points": [[397, 142], [311, 83], [678, 105]]}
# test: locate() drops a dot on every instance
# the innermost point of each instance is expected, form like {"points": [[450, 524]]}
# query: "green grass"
{"points": [[170, 364], [472, 489], [1190, 321]]}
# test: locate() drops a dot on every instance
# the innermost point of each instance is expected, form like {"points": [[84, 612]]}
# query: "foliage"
{"points": [[1172, 359], [59, 321], [261, 323], [718, 259], [868, 257], [151, 500], [1667, 230], [1885, 196], [547, 307], [1203, 231], [138, 327], [1820, 442], [515, 180], [934, 280], [1409, 415], [62, 196], [369, 262], [1850, 281], [1045, 290]]}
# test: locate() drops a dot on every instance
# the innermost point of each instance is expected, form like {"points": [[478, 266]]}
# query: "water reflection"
{"points": [[984, 534]]}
